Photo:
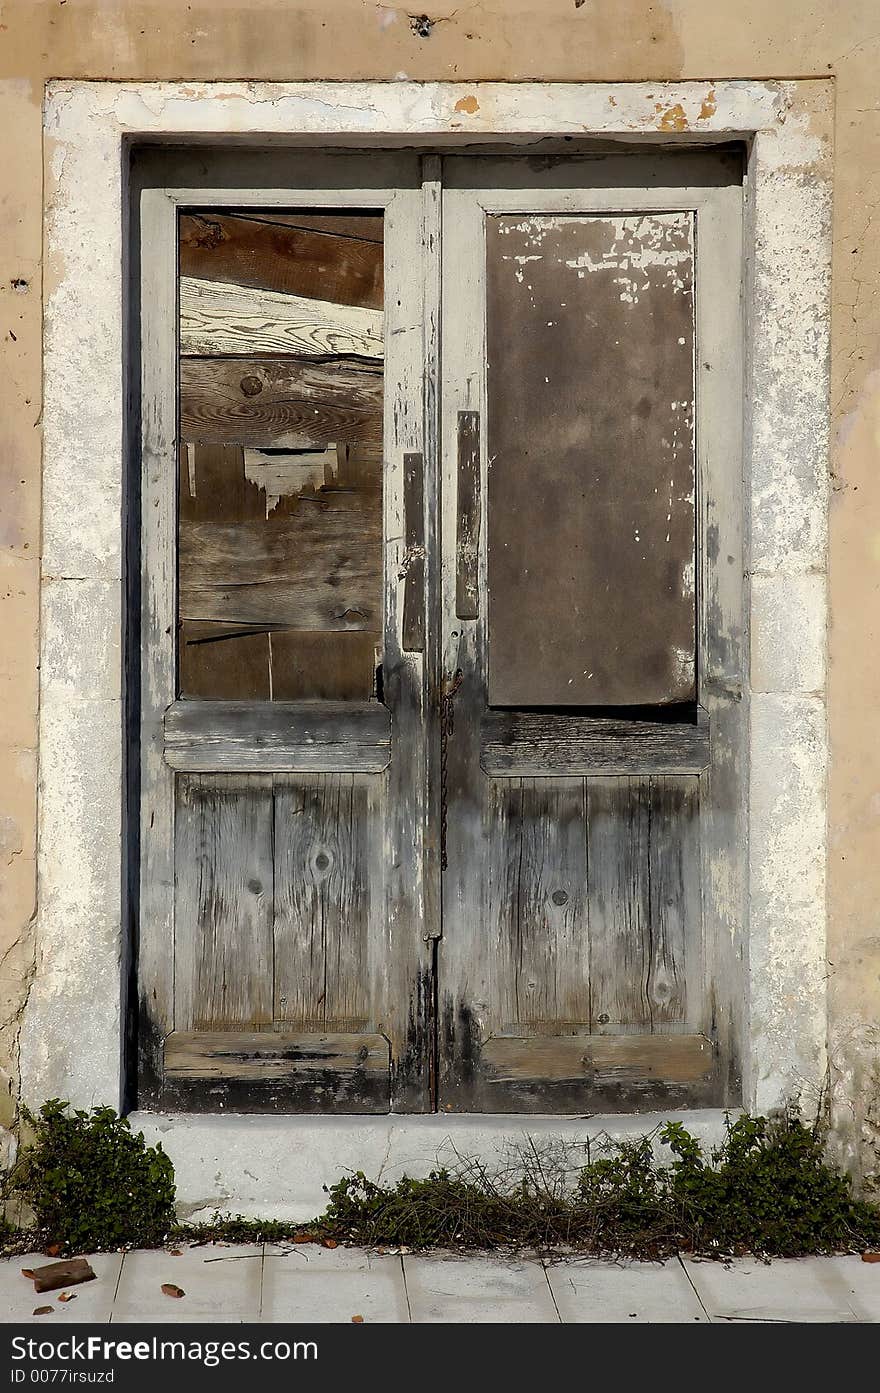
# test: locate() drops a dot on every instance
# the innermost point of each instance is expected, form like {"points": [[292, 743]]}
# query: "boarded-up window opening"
{"points": [[591, 516], [280, 461]]}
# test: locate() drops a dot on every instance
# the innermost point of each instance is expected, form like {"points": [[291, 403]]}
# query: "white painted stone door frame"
{"points": [[71, 1038]]}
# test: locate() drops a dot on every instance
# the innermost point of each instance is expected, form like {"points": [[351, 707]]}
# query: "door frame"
{"points": [[83, 926]]}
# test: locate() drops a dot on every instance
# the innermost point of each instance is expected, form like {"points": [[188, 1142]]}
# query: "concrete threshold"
{"points": [[276, 1167]]}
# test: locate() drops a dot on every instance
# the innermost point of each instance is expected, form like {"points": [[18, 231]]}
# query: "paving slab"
{"points": [[478, 1290], [786, 1290], [589, 1291], [220, 1284], [861, 1282], [94, 1300], [309, 1283]]}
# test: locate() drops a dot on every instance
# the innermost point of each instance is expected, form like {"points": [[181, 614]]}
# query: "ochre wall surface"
{"points": [[524, 40]]}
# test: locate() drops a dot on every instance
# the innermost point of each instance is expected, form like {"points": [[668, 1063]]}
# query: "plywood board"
{"points": [[591, 536]]}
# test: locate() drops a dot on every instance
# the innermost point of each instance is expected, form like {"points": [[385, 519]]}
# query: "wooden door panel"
{"points": [[589, 769], [223, 903], [283, 769], [326, 872]]}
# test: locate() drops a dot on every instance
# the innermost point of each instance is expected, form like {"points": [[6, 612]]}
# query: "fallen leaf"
{"points": [[43, 1310], [357, 1320], [67, 1296], [176, 1253], [303, 1238], [171, 1290], [329, 1243], [870, 1257], [53, 1250]]}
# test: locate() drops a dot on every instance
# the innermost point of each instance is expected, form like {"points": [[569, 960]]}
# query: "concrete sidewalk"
{"points": [[305, 1282]]}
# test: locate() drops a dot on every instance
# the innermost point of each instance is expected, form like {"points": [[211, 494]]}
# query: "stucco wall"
{"points": [[596, 40]]}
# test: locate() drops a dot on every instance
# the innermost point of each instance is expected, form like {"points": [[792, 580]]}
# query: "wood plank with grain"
{"points": [[266, 1054], [314, 564], [537, 867], [223, 912], [619, 910], [280, 402], [271, 256], [239, 662], [228, 318], [547, 744], [322, 902], [243, 737], [598, 1060]]}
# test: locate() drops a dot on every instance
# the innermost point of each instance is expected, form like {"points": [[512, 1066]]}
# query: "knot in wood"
{"points": [[251, 386]]}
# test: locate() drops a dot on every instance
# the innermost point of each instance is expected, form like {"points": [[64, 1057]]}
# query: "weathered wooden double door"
{"points": [[440, 687]]}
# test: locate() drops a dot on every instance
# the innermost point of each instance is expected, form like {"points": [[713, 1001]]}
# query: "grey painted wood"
{"points": [[242, 737], [652, 887], [618, 812], [676, 952], [432, 673], [322, 903], [223, 903], [538, 902], [722, 658], [540, 744], [155, 484]]}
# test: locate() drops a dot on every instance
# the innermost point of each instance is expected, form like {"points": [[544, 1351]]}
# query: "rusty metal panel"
{"points": [[591, 536]]}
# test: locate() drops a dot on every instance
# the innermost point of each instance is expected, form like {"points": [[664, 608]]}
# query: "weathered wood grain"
{"points": [[537, 868], [590, 342], [315, 565], [150, 849], [675, 959], [271, 256], [223, 903], [599, 1060], [537, 744], [467, 546], [271, 1054], [414, 556], [619, 909], [322, 902], [243, 737], [227, 318], [240, 662], [280, 401]]}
